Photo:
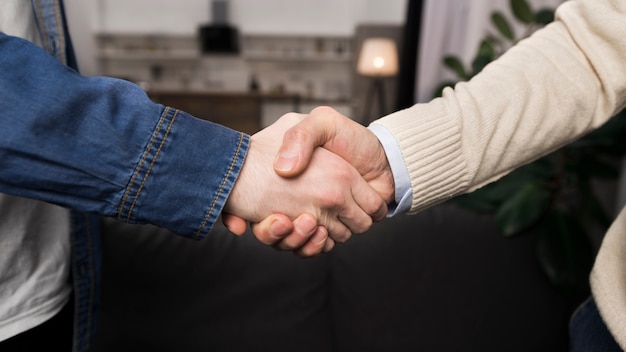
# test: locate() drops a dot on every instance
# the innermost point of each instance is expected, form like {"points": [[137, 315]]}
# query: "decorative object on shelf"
{"points": [[553, 198], [296, 48], [378, 59], [219, 36], [254, 84]]}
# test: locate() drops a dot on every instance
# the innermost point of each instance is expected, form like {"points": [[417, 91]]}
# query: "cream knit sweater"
{"points": [[547, 91]]}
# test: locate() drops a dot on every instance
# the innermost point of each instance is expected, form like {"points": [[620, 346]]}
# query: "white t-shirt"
{"points": [[34, 236], [18, 19]]}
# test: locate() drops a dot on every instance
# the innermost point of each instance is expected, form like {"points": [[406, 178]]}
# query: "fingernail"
{"points": [[319, 237], [305, 226], [286, 161], [278, 229]]}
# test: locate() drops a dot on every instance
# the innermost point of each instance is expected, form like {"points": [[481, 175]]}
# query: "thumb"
{"points": [[295, 153], [299, 142]]}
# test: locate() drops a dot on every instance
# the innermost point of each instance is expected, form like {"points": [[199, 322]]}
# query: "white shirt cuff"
{"points": [[404, 194]]}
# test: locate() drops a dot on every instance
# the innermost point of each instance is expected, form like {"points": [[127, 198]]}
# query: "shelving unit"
{"points": [[297, 48], [318, 70], [146, 47]]}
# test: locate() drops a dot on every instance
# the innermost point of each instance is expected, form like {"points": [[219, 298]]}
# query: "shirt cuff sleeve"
{"points": [[404, 194]]}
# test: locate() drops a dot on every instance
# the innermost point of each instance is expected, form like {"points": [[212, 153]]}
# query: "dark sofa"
{"points": [[442, 280]]}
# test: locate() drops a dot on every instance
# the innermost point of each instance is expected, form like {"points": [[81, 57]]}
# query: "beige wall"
{"points": [[299, 17]]}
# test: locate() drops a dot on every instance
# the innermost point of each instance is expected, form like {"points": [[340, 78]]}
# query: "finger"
{"points": [[329, 245], [316, 243], [362, 200], [369, 200], [355, 219], [338, 231], [304, 228], [234, 224], [300, 141], [273, 229]]}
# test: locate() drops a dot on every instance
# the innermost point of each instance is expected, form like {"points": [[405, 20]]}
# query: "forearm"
{"points": [[100, 145], [549, 90]]}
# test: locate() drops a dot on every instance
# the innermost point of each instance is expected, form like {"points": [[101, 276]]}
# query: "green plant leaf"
{"points": [[564, 252], [476, 201], [544, 16], [522, 11], [455, 64], [479, 63], [542, 168], [490, 197], [608, 139], [496, 42], [523, 209], [487, 49], [503, 26]]}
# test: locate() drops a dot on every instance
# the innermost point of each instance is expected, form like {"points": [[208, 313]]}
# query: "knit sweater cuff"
{"points": [[430, 142]]}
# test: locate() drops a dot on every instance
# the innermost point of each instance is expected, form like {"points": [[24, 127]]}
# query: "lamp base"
{"points": [[376, 91]]}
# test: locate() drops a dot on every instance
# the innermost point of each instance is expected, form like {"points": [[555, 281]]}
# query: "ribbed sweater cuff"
{"points": [[430, 142]]}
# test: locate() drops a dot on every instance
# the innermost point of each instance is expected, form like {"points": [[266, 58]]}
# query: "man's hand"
{"points": [[327, 128], [329, 192]]}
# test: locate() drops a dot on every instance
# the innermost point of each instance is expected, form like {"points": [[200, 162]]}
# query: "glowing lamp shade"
{"points": [[379, 57]]}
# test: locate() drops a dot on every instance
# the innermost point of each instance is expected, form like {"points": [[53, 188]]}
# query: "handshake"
{"points": [[329, 179]]}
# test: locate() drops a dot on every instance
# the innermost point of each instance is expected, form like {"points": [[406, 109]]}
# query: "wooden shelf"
{"points": [[146, 56]]}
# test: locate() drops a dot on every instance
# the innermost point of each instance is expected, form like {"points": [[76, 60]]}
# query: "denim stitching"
{"points": [[56, 47], [219, 192], [42, 27], [61, 47], [154, 159], [140, 166]]}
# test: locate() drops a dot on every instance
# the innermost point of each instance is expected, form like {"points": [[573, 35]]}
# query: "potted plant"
{"points": [[555, 198]]}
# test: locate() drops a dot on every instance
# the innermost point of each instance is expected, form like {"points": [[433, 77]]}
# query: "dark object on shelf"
{"points": [[219, 36], [219, 39]]}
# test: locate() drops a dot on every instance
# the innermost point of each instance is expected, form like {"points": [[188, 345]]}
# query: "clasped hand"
{"points": [[330, 178]]}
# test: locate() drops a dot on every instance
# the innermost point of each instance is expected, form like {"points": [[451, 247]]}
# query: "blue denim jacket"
{"points": [[100, 147]]}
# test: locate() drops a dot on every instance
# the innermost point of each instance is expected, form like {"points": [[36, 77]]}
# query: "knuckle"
{"points": [[341, 236], [292, 116], [297, 133], [375, 207], [365, 225], [333, 198], [323, 110]]}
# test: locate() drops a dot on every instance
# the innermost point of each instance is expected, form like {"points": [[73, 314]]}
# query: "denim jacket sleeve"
{"points": [[99, 145]]}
